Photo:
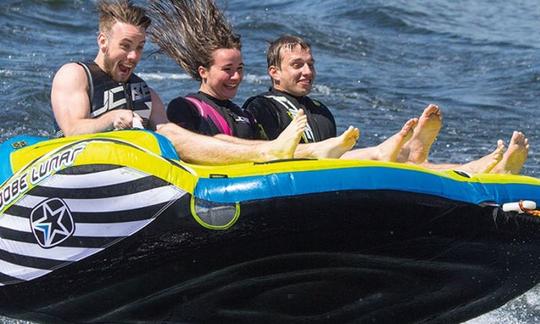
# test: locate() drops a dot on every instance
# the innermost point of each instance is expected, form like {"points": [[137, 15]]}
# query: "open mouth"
{"points": [[125, 69]]}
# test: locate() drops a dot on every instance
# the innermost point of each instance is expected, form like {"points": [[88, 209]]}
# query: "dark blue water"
{"points": [[379, 62]]}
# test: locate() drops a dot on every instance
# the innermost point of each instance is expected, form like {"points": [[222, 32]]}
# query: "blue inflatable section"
{"points": [[231, 190], [11, 145], [167, 148]]}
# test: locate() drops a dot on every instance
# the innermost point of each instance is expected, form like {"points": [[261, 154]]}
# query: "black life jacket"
{"points": [[321, 124], [230, 120], [105, 94]]}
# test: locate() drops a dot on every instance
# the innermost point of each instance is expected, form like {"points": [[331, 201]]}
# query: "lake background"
{"points": [[379, 62]]}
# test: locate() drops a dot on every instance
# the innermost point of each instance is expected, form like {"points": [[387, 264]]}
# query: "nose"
{"points": [[134, 55], [237, 75], [307, 69]]}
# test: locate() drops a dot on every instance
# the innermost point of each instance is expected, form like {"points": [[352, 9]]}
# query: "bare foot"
{"points": [[514, 158], [486, 163], [285, 144], [429, 124], [389, 149], [335, 147]]}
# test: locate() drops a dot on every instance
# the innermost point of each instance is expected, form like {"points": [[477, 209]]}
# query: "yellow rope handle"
{"points": [[532, 212]]}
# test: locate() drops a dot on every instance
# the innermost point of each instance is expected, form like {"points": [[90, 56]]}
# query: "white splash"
{"points": [[256, 79], [157, 76]]}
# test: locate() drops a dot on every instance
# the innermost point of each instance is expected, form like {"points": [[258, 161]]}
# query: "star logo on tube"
{"points": [[52, 222]]}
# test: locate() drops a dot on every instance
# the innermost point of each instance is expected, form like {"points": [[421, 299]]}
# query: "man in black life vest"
{"points": [[291, 67]]}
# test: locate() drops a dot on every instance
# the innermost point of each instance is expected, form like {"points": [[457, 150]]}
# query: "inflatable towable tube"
{"points": [[115, 227]]}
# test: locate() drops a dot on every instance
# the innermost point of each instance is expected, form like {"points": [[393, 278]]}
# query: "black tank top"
{"points": [[106, 94]]}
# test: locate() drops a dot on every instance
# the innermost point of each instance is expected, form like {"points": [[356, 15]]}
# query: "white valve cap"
{"points": [[514, 206]]}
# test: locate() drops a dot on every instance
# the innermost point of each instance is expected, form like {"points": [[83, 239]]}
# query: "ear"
{"points": [[274, 73], [203, 73], [102, 41]]}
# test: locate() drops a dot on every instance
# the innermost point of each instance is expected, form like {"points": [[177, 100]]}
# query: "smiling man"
{"points": [[105, 94], [291, 67]]}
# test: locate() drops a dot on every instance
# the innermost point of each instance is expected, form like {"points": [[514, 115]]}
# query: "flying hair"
{"points": [[112, 11], [189, 31]]}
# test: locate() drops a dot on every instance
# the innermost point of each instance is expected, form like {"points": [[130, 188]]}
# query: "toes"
{"points": [[411, 123], [515, 136], [431, 108]]}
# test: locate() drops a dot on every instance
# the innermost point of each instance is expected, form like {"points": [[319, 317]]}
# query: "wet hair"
{"points": [[189, 31], [112, 11], [273, 55]]}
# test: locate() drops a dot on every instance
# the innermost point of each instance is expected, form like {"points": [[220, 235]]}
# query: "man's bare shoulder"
{"points": [[71, 68], [72, 75]]}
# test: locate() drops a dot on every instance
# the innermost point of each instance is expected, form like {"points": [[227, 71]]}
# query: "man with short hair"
{"points": [[105, 94], [291, 67]]}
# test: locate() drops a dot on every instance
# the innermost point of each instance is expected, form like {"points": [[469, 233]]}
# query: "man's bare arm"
{"points": [[71, 105]]}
